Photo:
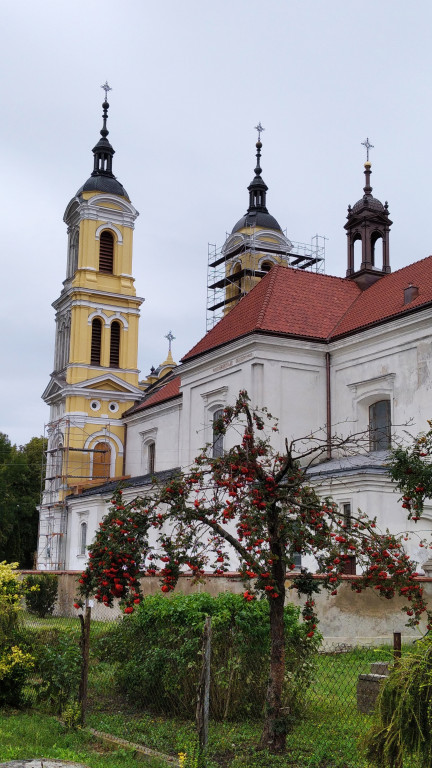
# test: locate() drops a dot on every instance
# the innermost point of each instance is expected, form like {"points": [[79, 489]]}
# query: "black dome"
{"points": [[257, 219], [367, 201], [99, 183]]}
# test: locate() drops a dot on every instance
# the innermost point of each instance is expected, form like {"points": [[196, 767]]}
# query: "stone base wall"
{"points": [[346, 618]]}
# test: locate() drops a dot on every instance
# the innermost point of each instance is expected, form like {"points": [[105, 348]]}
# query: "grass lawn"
{"points": [[31, 735]]}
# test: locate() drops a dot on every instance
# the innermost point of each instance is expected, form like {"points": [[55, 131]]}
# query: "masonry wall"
{"points": [[350, 618]]}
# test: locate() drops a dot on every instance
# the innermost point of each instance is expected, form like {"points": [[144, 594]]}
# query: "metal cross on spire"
{"points": [[106, 88], [368, 146], [170, 338], [260, 129]]}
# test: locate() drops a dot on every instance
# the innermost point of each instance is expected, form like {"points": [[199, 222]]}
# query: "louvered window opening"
{"points": [[106, 252], [96, 340], [115, 345]]}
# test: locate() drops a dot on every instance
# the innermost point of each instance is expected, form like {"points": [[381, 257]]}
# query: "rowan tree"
{"points": [[257, 504]]}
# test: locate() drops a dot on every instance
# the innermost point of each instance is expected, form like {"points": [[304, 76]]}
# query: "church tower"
{"points": [[368, 222], [95, 376], [254, 245]]}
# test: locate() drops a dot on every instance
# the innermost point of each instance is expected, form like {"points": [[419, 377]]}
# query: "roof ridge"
{"points": [[268, 293], [339, 320], [407, 266]]}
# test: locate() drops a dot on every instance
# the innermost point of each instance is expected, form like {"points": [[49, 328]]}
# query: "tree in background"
{"points": [[255, 503], [21, 469]]}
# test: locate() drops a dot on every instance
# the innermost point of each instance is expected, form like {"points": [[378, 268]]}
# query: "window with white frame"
{"points": [[83, 539], [217, 437], [151, 457], [379, 426]]}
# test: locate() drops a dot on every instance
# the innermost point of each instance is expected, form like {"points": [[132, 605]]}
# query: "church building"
{"points": [[324, 354]]}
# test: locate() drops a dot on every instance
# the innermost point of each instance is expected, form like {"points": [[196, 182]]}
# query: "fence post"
{"points": [[203, 697], [397, 646], [85, 652]]}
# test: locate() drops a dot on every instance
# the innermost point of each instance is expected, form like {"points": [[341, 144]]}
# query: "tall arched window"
{"points": [[106, 252], [101, 461], [218, 438], [83, 539], [151, 457], [115, 345], [96, 340]]}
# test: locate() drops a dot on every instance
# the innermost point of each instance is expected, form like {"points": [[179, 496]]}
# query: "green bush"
{"points": [[58, 667], [41, 593], [15, 662], [158, 655], [403, 721]]}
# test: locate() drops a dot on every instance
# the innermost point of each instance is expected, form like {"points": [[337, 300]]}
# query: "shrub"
{"points": [[158, 655], [58, 665], [403, 722], [41, 593], [15, 663]]}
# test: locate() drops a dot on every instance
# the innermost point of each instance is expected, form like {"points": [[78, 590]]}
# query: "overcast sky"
{"points": [[190, 81]]}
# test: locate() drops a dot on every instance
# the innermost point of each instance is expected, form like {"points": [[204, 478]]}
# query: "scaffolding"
{"points": [[225, 288], [68, 470]]}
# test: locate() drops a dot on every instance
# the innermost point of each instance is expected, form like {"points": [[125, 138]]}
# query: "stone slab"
{"points": [[41, 763]]}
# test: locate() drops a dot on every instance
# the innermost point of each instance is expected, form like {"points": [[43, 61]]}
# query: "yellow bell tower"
{"points": [[95, 376]]}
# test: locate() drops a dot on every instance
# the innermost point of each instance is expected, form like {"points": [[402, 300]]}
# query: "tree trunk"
{"points": [[275, 726]]}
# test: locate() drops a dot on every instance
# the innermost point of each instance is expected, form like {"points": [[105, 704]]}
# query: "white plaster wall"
{"points": [[161, 424], [393, 361]]}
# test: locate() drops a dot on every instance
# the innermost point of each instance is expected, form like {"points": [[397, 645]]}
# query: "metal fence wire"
{"points": [[146, 692]]}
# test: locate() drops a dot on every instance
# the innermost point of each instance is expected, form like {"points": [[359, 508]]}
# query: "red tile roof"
{"points": [[170, 390], [384, 299], [294, 303]]}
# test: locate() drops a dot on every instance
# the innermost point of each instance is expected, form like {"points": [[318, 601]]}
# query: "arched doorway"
{"points": [[101, 461]]}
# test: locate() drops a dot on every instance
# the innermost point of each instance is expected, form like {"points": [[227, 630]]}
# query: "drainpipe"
{"points": [[328, 404], [124, 449]]}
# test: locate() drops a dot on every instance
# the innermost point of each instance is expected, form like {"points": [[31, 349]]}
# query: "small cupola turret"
{"points": [[368, 221]]}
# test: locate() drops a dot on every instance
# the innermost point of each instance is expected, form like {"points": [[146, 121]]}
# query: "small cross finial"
{"points": [[368, 146], [106, 88], [170, 338], [260, 129]]}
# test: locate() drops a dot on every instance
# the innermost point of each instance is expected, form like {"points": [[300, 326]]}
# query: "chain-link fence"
{"points": [[145, 691]]}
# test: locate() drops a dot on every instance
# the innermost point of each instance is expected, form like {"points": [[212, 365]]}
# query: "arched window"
{"points": [[96, 340], [266, 266], [106, 252], [377, 250], [357, 252], [115, 345], [101, 461], [83, 539], [380, 426], [218, 438], [151, 457]]}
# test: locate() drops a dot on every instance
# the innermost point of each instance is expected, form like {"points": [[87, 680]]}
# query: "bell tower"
{"points": [[255, 244], [95, 374], [368, 221]]}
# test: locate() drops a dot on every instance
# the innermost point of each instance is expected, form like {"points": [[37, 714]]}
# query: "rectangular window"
{"points": [[380, 426]]}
